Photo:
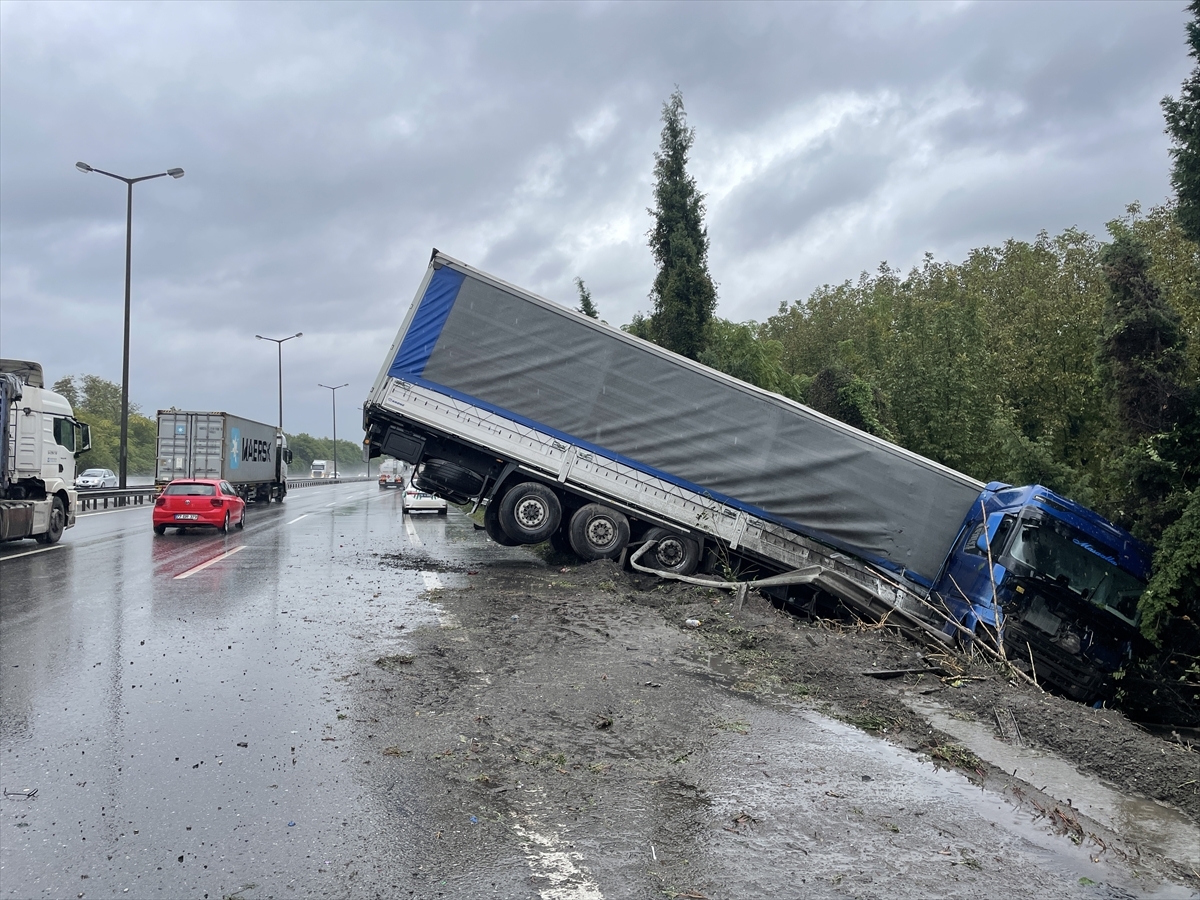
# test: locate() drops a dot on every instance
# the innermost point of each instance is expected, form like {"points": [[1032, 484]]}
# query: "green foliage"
{"points": [[1142, 353], [737, 350], [1174, 266], [1174, 589], [97, 402], [1183, 125], [683, 293], [586, 306], [838, 392], [639, 327], [305, 448], [1142, 365]]}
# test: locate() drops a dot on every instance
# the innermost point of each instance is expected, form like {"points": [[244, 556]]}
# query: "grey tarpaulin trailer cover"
{"points": [[478, 339]]}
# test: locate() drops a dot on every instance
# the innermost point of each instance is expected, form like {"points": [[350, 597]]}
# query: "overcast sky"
{"points": [[329, 147]]}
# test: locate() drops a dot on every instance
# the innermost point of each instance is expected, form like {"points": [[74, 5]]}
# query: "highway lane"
{"points": [[176, 701]]}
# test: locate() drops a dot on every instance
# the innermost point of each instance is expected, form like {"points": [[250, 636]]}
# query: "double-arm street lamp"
{"points": [[279, 342], [129, 182], [333, 393]]}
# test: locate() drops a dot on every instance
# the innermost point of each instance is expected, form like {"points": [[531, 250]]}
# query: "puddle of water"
{"points": [[1150, 825]]}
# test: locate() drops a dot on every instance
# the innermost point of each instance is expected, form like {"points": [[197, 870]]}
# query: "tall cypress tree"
{"points": [[1142, 363], [1183, 125], [683, 294]]}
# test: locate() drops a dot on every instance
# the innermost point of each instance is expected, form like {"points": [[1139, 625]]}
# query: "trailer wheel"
{"points": [[530, 513], [674, 553], [58, 522], [491, 524], [598, 532]]}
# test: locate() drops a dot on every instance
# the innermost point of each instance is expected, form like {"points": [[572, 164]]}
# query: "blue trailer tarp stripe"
{"points": [[427, 324]]}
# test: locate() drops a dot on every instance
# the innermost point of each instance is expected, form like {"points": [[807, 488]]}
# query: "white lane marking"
{"points": [[432, 582], [204, 565], [30, 552], [327, 505], [567, 880], [298, 518], [412, 532]]}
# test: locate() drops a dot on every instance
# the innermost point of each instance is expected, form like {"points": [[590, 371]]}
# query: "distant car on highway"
{"points": [[414, 500], [198, 503], [96, 478]]}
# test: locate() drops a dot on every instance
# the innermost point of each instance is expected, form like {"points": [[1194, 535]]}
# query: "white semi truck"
{"points": [[41, 439]]}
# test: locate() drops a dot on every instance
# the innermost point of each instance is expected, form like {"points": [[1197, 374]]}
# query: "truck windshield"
{"points": [[1068, 557]]}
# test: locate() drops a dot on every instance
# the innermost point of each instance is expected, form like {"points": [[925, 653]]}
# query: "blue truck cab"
{"points": [[1055, 580]]}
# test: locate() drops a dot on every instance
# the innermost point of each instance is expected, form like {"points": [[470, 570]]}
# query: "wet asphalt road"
{"points": [[176, 701]]}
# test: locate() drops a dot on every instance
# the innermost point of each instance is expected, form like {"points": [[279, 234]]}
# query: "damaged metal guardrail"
{"points": [[855, 596]]}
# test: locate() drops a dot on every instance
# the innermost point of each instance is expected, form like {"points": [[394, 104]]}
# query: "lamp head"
{"points": [[83, 167], [175, 173]]}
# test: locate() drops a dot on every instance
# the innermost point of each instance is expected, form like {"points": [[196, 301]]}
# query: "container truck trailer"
{"points": [[251, 456], [40, 440], [565, 429]]}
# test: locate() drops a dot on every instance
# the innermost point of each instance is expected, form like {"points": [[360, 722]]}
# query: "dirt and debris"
{"points": [[583, 695]]}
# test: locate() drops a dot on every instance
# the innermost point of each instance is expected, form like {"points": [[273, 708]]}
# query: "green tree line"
{"points": [[98, 403], [305, 448]]}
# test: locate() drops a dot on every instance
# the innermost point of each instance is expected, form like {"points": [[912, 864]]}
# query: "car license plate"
{"points": [[186, 516]]}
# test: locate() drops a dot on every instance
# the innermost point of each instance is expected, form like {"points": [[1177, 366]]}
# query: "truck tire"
{"points": [[58, 522], [598, 532], [452, 481], [674, 553], [491, 524], [530, 512]]}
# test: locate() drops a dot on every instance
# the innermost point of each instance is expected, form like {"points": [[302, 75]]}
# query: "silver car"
{"points": [[96, 478]]}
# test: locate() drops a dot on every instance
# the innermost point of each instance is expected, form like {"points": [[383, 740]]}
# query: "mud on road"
{"points": [[566, 734]]}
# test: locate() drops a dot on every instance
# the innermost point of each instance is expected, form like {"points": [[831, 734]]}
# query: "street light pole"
{"points": [[333, 393], [279, 342], [129, 182]]}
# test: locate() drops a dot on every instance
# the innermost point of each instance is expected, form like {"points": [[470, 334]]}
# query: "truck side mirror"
{"points": [[83, 441], [287, 456]]}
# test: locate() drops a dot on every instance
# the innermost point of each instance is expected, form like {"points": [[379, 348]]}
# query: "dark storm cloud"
{"points": [[329, 146]]}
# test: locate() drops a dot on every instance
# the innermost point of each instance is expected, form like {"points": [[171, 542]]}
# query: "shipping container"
{"points": [[251, 456]]}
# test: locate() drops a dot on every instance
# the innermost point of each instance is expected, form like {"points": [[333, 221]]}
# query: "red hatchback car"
{"points": [[198, 502]]}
